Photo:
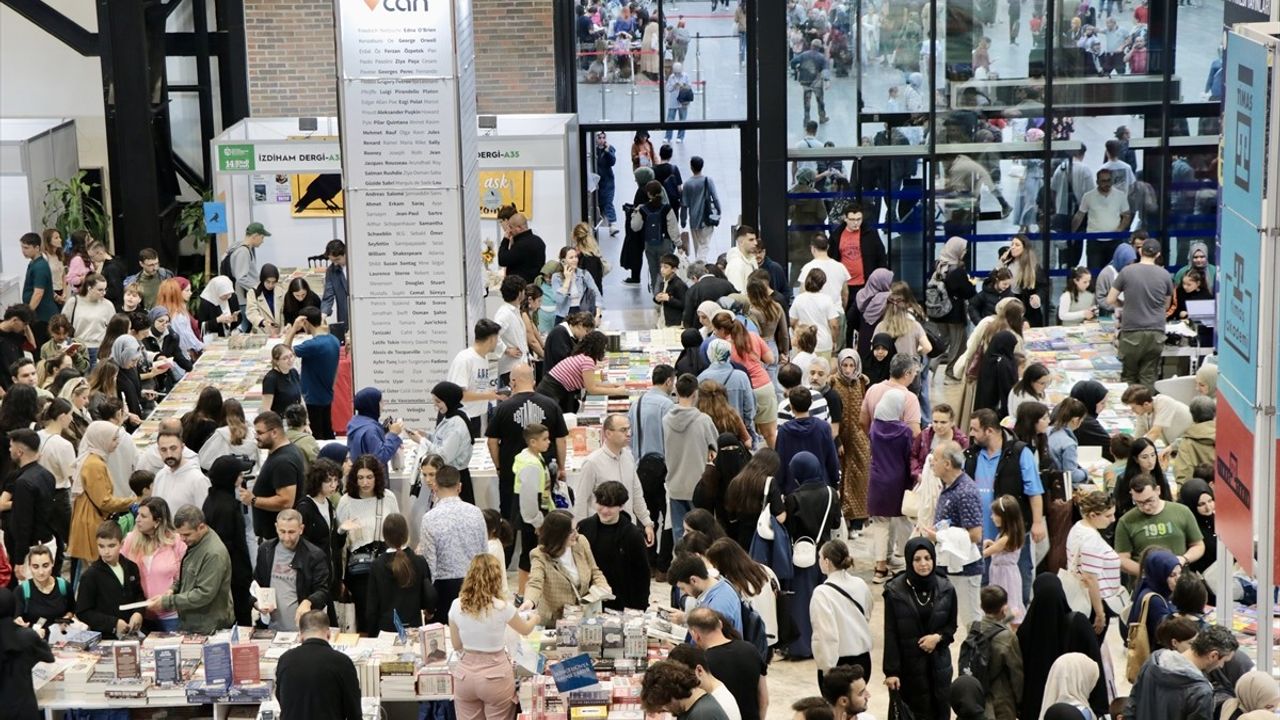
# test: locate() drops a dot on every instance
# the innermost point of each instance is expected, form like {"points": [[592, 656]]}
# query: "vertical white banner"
{"points": [[406, 112]]}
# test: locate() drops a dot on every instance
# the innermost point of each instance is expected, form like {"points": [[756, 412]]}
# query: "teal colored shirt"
{"points": [[39, 276]]}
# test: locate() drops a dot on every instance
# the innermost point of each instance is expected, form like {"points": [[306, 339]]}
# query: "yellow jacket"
{"points": [[92, 507]]}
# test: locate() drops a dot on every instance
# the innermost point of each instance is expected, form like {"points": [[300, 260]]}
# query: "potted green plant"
{"points": [[70, 206]]}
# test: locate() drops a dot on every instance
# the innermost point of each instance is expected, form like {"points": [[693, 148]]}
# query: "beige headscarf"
{"points": [[96, 441], [1071, 679], [1254, 691], [68, 393]]}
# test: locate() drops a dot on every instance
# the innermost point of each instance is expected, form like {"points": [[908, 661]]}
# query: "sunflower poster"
{"points": [[317, 195], [505, 187]]}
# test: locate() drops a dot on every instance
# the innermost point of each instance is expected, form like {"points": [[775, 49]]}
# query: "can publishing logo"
{"points": [[1244, 127], [398, 5]]}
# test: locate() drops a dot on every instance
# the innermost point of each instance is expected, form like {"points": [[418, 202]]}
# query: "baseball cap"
{"points": [[1151, 247], [257, 229]]}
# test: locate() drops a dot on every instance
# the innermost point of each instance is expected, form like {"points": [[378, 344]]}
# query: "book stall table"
{"points": [[591, 659], [1081, 352]]}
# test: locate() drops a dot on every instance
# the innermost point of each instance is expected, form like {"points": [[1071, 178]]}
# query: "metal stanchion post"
{"points": [[699, 86], [631, 58]]}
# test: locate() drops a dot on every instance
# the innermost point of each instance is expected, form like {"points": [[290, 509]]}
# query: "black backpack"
{"points": [[937, 301], [224, 267], [655, 227], [975, 653], [755, 632]]}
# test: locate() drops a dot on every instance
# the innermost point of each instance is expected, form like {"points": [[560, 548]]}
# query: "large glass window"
{"points": [[658, 61]]}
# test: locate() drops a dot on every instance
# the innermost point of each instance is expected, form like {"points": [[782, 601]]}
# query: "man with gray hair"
{"points": [[903, 370], [295, 571], [613, 461], [202, 594], [959, 505], [703, 286], [1198, 444]]}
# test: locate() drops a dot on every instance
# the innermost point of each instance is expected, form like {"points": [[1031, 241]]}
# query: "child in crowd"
{"points": [[140, 484], [1004, 666], [669, 295], [113, 580], [1004, 552], [533, 490], [1121, 449], [62, 343], [805, 338], [501, 536], [132, 298]]}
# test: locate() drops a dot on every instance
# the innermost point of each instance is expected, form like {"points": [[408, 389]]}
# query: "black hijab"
{"points": [[998, 374], [921, 583], [1089, 392], [691, 359], [968, 699], [451, 395], [1189, 495], [1049, 630], [878, 370]]}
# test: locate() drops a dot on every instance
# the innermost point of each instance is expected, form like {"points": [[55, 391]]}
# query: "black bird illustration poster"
{"points": [[317, 195]]}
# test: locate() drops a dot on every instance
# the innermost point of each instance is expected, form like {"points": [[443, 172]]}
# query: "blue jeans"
{"points": [[93, 357], [604, 197], [926, 406], [679, 508], [163, 624], [680, 110], [742, 48]]}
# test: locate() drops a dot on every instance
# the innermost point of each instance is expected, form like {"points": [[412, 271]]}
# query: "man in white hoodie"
{"points": [[150, 459], [180, 481], [689, 436]]}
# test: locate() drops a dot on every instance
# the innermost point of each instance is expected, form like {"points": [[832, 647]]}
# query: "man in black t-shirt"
{"points": [[736, 663], [278, 481], [506, 433], [31, 520]]}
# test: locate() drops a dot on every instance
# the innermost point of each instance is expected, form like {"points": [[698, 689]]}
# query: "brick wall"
{"points": [[291, 60], [515, 56], [292, 70]]}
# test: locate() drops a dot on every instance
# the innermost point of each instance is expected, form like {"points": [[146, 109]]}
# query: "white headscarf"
{"points": [[1071, 679], [96, 441], [891, 405], [220, 285]]}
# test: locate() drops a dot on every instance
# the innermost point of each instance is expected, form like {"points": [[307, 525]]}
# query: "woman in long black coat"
{"points": [[919, 627], [1050, 630]]}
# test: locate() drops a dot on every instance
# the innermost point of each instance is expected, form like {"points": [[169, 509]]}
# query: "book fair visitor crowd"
{"points": [[796, 419]]}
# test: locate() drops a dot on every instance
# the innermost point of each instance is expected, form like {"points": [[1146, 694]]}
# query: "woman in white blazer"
{"points": [[840, 611], [265, 303]]}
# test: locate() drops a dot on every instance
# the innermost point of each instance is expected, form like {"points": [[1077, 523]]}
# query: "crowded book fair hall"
{"points": [[639, 359]]}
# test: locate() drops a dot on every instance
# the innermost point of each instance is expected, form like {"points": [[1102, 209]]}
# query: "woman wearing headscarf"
{"points": [[1207, 380], [1009, 315], [1198, 496], [875, 364], [953, 273], [1198, 258], [1049, 630], [162, 342], [21, 649], [451, 439], [871, 301], [1256, 691], [813, 510], [1160, 572], [736, 384], [1123, 257], [219, 308], [365, 433], [855, 446], [691, 359], [709, 493], [998, 375], [919, 627], [1093, 395], [126, 352], [76, 392], [1071, 678], [264, 305], [890, 478], [968, 698], [94, 493]]}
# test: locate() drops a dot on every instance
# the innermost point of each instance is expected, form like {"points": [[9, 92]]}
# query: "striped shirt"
{"points": [[569, 371], [1088, 552]]}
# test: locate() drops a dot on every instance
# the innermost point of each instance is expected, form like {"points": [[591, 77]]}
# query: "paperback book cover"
{"points": [[244, 664], [217, 663], [128, 664], [167, 663]]}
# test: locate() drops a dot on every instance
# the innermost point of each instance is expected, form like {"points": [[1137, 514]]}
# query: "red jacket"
{"points": [[922, 445], [6, 570]]}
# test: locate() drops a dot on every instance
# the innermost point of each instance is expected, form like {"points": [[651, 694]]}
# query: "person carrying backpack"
{"points": [[840, 611], [241, 261], [991, 655], [946, 297], [658, 226]]}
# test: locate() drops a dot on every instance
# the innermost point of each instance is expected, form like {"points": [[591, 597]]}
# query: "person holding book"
{"points": [[154, 546], [111, 581], [202, 594], [21, 649], [292, 574], [314, 681]]}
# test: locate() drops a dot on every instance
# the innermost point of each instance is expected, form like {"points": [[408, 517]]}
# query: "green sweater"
{"points": [[202, 595]]}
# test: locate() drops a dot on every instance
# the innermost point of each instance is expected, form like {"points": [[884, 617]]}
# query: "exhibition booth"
{"points": [[33, 151], [270, 171]]}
